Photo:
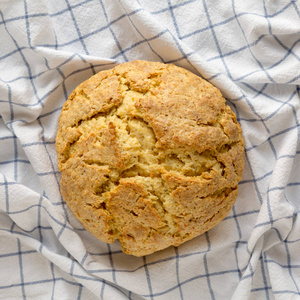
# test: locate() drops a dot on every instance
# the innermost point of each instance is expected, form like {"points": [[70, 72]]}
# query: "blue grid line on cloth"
{"points": [[76, 27], [102, 291], [235, 217], [72, 267], [79, 292], [139, 43], [239, 50], [290, 266], [63, 83], [17, 253], [293, 79], [276, 111], [273, 136], [26, 234], [179, 257], [253, 108], [178, 60], [112, 32], [254, 181], [184, 54], [128, 49], [9, 212], [32, 283], [6, 193], [53, 167], [296, 7], [62, 230], [31, 16], [241, 78], [142, 41], [236, 16], [153, 38], [174, 19], [249, 45], [43, 72], [215, 39], [24, 60], [27, 23], [54, 279], [142, 266], [190, 280], [177, 272], [99, 280], [21, 269], [48, 93], [14, 161], [207, 275], [24, 283], [85, 257], [85, 36], [39, 220], [267, 286], [38, 227], [178, 44], [274, 36], [243, 31], [173, 6], [271, 218], [212, 26], [263, 224], [148, 277], [38, 143]]}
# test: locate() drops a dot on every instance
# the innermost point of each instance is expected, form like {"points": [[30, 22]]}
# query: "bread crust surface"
{"points": [[150, 154]]}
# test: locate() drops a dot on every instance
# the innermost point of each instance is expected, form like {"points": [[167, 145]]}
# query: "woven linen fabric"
{"points": [[250, 50]]}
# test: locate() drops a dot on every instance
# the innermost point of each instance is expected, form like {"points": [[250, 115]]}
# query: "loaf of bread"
{"points": [[149, 154]]}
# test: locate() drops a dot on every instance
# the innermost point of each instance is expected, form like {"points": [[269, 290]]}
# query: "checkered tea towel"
{"points": [[250, 50]]}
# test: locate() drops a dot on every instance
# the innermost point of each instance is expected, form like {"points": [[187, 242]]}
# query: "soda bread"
{"points": [[149, 154]]}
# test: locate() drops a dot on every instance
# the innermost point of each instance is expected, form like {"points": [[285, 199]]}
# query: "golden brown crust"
{"points": [[150, 154]]}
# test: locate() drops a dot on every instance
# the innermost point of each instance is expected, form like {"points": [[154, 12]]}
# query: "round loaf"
{"points": [[149, 154]]}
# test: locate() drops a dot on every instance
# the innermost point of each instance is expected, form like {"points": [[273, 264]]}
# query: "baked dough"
{"points": [[149, 154]]}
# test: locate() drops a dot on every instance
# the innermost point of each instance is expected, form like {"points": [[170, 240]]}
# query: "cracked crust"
{"points": [[150, 154]]}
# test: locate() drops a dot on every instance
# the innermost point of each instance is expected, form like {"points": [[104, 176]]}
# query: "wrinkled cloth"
{"points": [[250, 50]]}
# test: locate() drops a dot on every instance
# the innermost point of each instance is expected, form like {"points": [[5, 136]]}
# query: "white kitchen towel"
{"points": [[249, 49]]}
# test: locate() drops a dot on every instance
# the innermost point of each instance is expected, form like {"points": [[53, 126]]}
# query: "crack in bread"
{"points": [[150, 154]]}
